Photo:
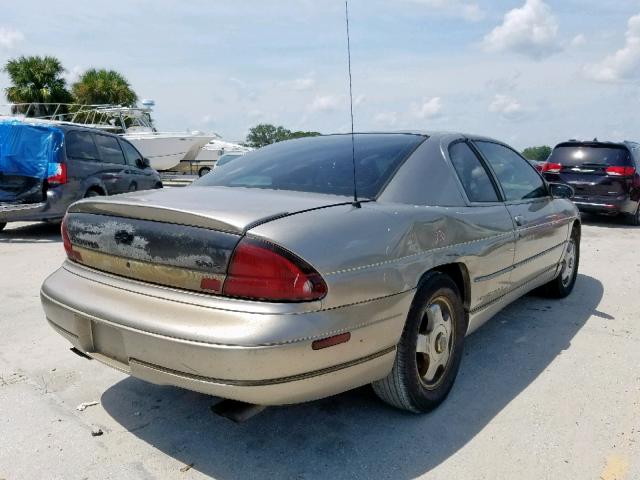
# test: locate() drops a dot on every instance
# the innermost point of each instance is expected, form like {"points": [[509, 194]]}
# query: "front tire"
{"points": [[430, 349], [562, 285], [635, 219], [203, 171]]}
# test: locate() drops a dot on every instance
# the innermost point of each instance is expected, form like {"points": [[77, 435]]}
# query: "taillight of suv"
{"points": [[621, 171], [57, 174], [551, 167]]}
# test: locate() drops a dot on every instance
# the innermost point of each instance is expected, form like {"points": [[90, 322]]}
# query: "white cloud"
{"points": [[10, 37], [507, 107], [468, 10], [73, 75], [579, 40], [243, 89], [325, 103], [430, 108], [623, 64], [255, 113], [389, 119], [531, 30], [300, 84], [359, 100]]}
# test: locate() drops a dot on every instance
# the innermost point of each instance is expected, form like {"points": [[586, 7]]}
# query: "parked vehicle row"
{"points": [[267, 282], [45, 168]]}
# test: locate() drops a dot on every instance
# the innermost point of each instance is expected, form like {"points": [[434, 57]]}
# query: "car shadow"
{"points": [[41, 232], [354, 434]]}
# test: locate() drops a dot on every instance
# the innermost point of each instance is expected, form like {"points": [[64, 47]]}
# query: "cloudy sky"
{"points": [[526, 71]]}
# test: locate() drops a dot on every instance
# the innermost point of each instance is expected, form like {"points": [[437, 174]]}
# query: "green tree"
{"points": [[36, 80], [100, 87], [537, 153], [301, 134], [266, 134]]}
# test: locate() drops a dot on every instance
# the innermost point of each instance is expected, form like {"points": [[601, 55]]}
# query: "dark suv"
{"points": [[604, 175], [44, 168]]}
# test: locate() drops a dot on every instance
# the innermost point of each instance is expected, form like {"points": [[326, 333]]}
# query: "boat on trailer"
{"points": [[164, 150]]}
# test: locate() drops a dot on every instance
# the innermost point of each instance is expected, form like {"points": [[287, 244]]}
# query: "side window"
{"points": [[133, 156], [472, 174], [518, 178], [109, 149], [80, 146]]}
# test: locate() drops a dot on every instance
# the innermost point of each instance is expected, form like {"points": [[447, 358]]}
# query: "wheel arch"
{"points": [[459, 273]]}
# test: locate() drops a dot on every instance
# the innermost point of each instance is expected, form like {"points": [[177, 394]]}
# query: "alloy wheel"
{"points": [[435, 340]]}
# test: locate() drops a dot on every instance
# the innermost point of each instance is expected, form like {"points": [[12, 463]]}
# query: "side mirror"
{"points": [[561, 190], [143, 163]]}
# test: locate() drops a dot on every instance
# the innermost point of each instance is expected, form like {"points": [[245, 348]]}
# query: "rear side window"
{"points": [[80, 146], [133, 156], [109, 149], [472, 174], [517, 177], [576, 155]]}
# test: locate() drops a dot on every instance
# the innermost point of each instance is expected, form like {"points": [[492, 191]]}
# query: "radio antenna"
{"points": [[356, 203]]}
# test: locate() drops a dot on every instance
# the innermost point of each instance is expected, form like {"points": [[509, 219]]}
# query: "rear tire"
{"points": [[562, 285], [92, 193], [2, 225], [430, 349]]}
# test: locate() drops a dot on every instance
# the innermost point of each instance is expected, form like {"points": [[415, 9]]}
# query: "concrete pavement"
{"points": [[547, 390]]}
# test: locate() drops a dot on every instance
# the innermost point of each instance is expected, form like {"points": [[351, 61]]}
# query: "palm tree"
{"points": [[36, 79], [100, 87]]}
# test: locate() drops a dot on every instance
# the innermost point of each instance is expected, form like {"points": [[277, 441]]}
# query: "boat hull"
{"points": [[165, 151]]}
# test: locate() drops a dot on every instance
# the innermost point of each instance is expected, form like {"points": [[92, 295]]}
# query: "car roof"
{"points": [[66, 127], [438, 134], [595, 143]]}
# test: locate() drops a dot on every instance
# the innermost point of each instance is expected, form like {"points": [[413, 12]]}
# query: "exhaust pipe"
{"points": [[235, 411]]}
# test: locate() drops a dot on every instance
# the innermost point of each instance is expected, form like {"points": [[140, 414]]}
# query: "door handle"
{"points": [[520, 220]]}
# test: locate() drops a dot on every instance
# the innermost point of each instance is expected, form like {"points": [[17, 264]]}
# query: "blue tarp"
{"points": [[29, 150]]}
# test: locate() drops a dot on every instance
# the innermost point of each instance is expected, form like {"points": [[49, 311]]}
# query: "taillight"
{"points": [[550, 167], [263, 271], [59, 174], [66, 241], [621, 171]]}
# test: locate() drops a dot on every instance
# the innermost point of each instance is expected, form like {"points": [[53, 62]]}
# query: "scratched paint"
{"points": [[153, 243]]}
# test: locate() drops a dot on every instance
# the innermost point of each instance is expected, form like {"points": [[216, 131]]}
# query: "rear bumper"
{"points": [[262, 358], [607, 205], [53, 207], [9, 211]]}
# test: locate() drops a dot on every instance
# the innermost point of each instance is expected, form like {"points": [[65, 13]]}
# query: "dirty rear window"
{"points": [[319, 164], [574, 155]]}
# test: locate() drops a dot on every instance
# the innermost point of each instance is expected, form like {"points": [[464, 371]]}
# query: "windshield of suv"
{"points": [[319, 164], [580, 154]]}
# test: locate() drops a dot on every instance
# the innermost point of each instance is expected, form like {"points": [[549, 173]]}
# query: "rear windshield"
{"points": [[319, 164], [573, 155]]}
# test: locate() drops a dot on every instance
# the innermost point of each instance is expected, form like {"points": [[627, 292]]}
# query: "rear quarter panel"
{"points": [[384, 249]]}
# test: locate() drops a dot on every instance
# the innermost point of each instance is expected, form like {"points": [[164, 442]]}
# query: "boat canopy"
{"points": [[29, 150]]}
